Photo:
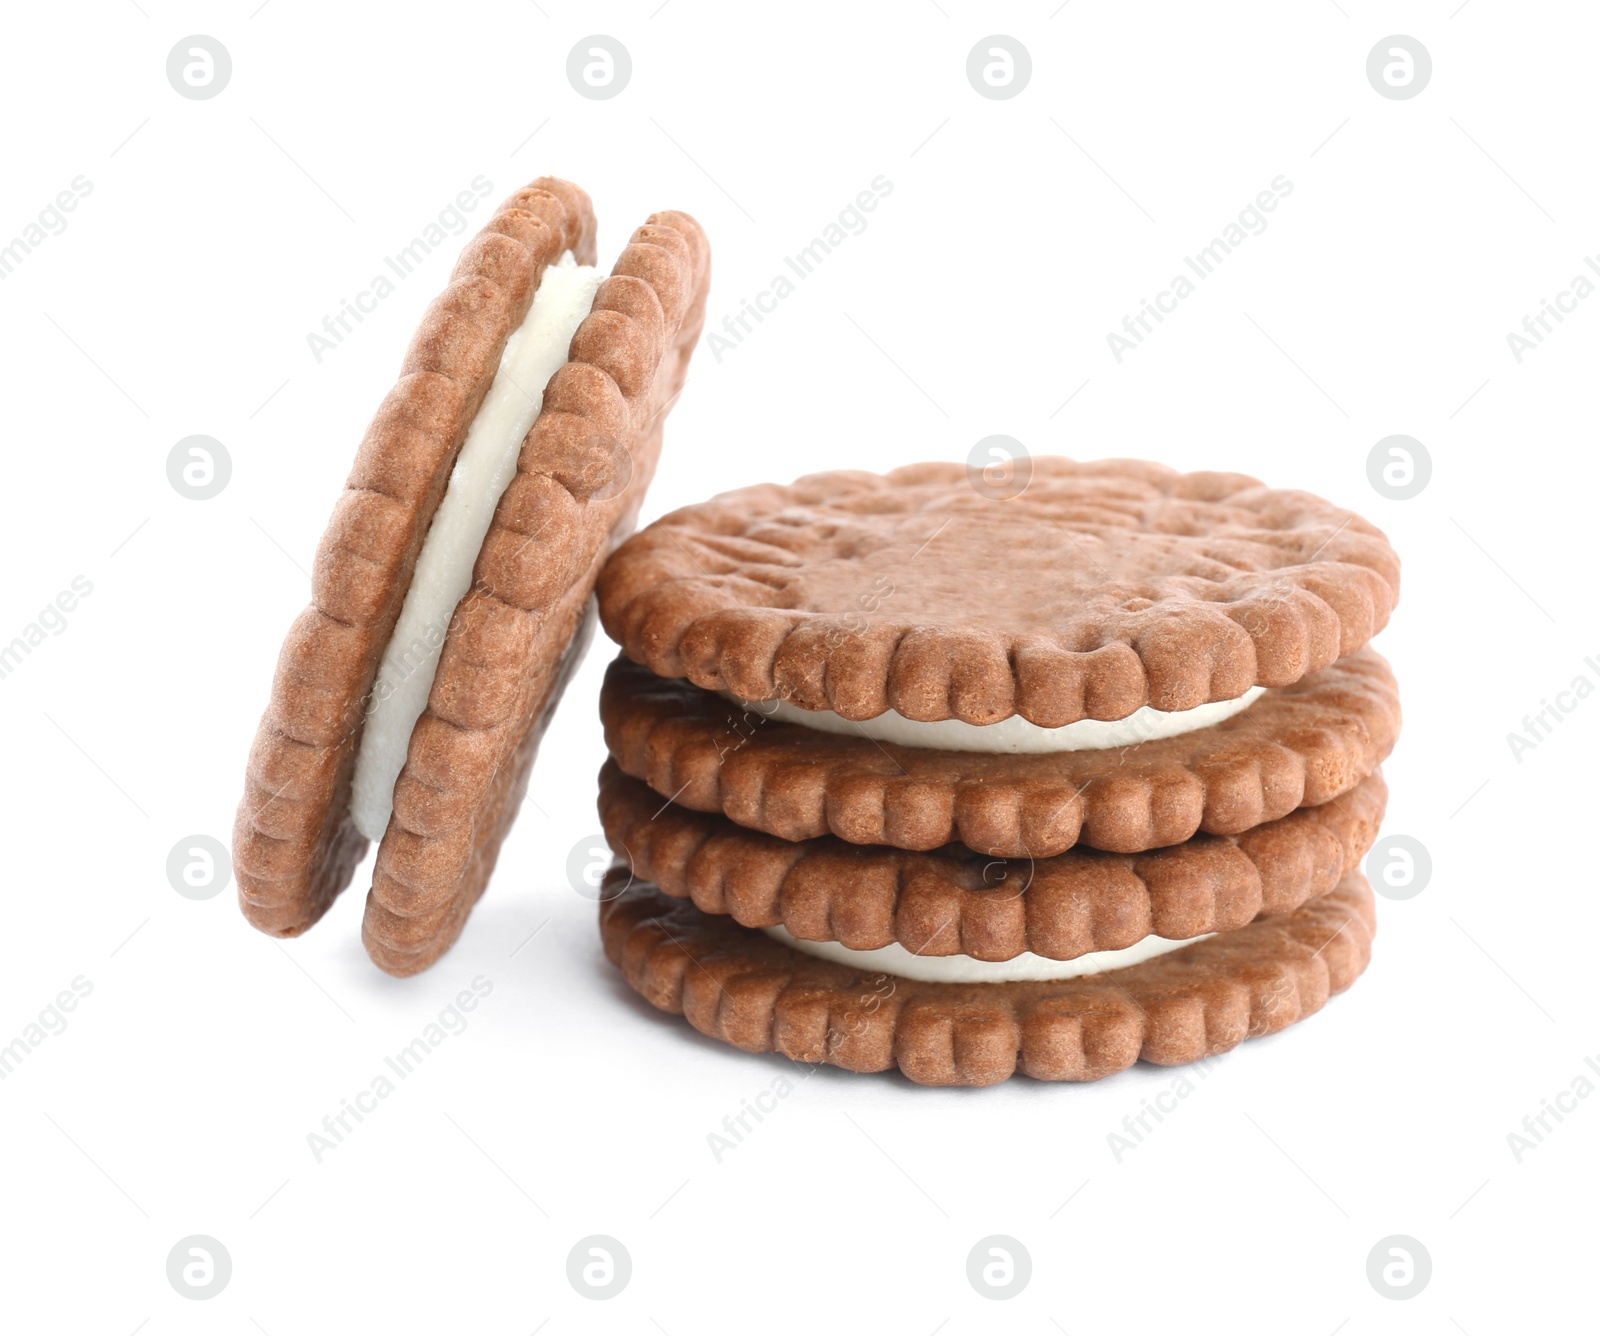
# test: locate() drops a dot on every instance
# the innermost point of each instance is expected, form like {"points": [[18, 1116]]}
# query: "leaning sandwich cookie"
{"points": [[905, 776], [451, 592]]}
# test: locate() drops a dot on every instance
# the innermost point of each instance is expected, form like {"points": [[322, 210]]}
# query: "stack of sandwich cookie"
{"points": [[906, 776], [452, 592]]}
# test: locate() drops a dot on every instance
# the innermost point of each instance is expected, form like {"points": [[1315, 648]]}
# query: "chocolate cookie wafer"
{"points": [[1303, 744], [1100, 588], [957, 901], [449, 591], [740, 985]]}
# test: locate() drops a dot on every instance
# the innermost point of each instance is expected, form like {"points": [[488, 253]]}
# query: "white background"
{"points": [[1018, 233]]}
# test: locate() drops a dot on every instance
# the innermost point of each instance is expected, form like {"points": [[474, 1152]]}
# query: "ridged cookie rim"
{"points": [[294, 845], [1299, 745], [510, 647], [687, 597], [740, 986], [1081, 901]]}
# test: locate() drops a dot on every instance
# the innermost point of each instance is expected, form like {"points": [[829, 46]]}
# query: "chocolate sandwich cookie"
{"points": [[744, 987], [450, 591], [957, 901], [793, 774], [1100, 588]]}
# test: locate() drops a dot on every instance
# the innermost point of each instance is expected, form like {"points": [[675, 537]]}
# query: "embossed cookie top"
{"points": [[1103, 587]]}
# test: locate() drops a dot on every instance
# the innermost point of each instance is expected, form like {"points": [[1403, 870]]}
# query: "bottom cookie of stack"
{"points": [[745, 987]]}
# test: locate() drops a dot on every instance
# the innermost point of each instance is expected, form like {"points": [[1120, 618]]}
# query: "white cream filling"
{"points": [[1026, 968], [1013, 735], [534, 352]]}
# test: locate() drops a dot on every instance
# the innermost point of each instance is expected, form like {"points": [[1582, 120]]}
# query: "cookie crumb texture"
{"points": [[1103, 587], [739, 985]]}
